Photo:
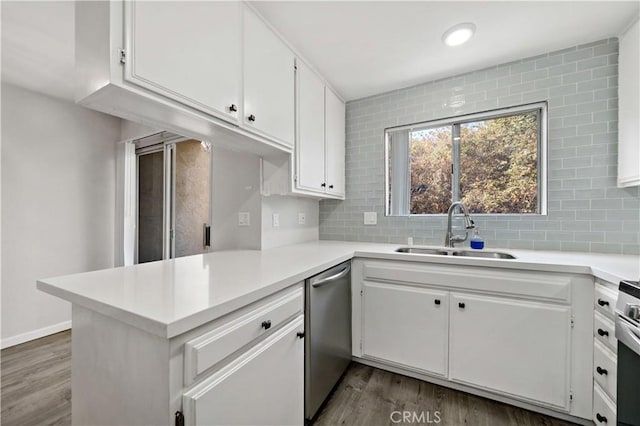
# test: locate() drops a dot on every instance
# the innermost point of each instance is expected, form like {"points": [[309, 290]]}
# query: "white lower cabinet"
{"points": [[513, 335], [604, 410], [605, 347], [264, 385], [406, 325], [512, 346]]}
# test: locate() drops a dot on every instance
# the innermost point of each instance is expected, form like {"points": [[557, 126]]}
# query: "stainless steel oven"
{"points": [[628, 335]]}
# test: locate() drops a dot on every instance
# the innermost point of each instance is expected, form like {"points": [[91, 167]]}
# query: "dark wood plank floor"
{"points": [[36, 382], [368, 396], [36, 390]]}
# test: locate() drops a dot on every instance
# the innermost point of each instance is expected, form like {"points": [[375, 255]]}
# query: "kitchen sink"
{"points": [[485, 254], [454, 252], [418, 250]]}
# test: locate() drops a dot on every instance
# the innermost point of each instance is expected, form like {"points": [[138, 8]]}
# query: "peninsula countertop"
{"points": [[170, 297]]}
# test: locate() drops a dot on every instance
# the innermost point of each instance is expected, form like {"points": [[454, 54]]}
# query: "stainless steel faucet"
{"points": [[449, 238]]}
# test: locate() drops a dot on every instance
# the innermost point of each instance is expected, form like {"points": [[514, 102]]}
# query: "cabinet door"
{"points": [[513, 347], [310, 150], [190, 52], [335, 137], [269, 81], [263, 386], [629, 108], [406, 325]]}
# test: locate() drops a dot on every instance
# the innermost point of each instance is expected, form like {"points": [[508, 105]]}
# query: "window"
{"points": [[494, 162]]}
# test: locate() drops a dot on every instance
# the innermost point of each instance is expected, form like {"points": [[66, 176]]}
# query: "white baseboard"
{"points": [[35, 334]]}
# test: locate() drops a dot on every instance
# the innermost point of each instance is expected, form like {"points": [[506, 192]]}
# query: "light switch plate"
{"points": [[244, 219], [370, 218], [302, 218], [275, 220]]}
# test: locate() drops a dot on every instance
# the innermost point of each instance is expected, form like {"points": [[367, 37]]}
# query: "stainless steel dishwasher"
{"points": [[328, 328]]}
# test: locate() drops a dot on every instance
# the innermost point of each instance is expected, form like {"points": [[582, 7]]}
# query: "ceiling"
{"points": [[368, 47], [362, 48]]}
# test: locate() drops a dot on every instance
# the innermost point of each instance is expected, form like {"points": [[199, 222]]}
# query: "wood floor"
{"points": [[368, 396], [36, 382], [36, 390]]}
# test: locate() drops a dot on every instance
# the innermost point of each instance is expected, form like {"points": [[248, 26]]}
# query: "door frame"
{"points": [[164, 142]]}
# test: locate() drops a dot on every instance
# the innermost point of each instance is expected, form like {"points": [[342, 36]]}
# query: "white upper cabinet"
{"points": [[310, 148], [320, 142], [335, 143], [269, 81], [629, 108], [189, 52]]}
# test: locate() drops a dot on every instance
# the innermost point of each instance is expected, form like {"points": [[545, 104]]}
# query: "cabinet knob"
{"points": [[601, 419], [330, 186], [602, 332], [179, 418], [323, 184], [603, 302], [233, 108], [437, 301], [461, 305], [266, 324], [601, 371], [300, 334], [251, 118]]}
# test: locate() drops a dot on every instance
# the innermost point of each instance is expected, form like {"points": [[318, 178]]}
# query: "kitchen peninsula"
{"points": [[157, 339]]}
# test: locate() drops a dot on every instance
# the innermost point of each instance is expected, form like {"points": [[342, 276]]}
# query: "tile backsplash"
{"points": [[586, 210]]}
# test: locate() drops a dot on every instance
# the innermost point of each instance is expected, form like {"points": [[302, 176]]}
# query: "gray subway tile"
{"points": [[578, 55], [606, 248], [582, 154], [562, 69], [598, 61], [606, 71], [605, 49], [586, 86], [548, 82]]}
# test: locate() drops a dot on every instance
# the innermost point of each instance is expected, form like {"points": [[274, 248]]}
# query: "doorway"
{"points": [[173, 197]]}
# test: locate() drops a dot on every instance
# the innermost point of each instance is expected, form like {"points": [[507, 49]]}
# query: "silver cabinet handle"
{"points": [[325, 281], [627, 335]]}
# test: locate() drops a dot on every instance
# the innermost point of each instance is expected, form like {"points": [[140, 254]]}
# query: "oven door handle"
{"points": [[628, 335]]}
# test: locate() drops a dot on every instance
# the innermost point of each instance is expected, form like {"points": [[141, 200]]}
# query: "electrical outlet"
{"points": [[370, 218], [275, 220], [244, 219], [302, 218]]}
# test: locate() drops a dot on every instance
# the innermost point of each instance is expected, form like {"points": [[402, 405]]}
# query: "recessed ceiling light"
{"points": [[458, 34]]}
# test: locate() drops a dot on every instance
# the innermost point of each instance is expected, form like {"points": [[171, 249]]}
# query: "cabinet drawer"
{"points": [[262, 386], [604, 410], [212, 347], [605, 369], [538, 285], [605, 300], [604, 331]]}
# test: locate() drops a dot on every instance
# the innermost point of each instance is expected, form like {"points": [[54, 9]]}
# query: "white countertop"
{"points": [[168, 298]]}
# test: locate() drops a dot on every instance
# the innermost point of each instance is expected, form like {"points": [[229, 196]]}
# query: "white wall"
{"points": [[289, 231], [235, 188], [58, 198]]}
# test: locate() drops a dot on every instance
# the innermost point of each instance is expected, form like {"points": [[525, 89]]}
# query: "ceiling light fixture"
{"points": [[458, 34]]}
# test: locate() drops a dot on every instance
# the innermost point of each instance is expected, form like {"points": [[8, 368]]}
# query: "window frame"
{"points": [[456, 122]]}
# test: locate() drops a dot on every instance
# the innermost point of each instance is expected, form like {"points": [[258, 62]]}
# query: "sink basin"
{"points": [[418, 250], [485, 254], [454, 252]]}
